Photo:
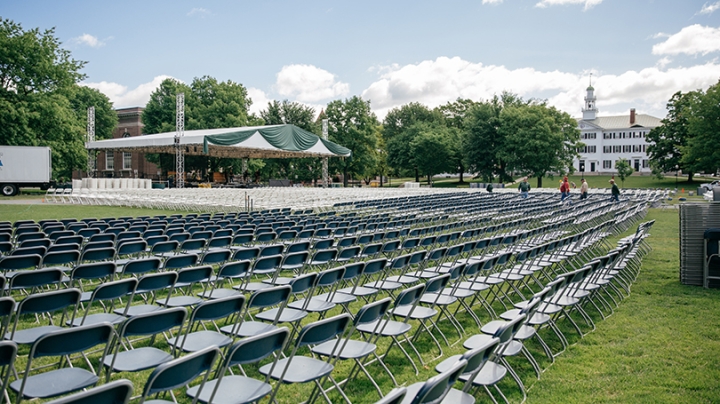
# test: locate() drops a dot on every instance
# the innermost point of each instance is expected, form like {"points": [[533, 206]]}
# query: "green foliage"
{"points": [[432, 149], [352, 124], [668, 140], [399, 130], [482, 141], [624, 170], [208, 104], [538, 139], [40, 101], [701, 152]]}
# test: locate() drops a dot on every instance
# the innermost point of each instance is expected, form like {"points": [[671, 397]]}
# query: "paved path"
{"points": [[16, 201]]}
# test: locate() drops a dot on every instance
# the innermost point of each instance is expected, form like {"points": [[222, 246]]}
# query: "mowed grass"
{"points": [[661, 345]]}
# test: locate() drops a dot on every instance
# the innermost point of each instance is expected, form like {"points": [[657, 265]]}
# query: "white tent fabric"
{"points": [[254, 146]]}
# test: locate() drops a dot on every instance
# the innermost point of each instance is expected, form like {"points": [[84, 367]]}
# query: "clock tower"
{"points": [[590, 110]]}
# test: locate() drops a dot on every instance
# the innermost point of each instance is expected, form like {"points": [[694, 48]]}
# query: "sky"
{"points": [[637, 53]]}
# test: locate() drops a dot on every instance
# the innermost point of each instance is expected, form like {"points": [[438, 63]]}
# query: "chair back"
{"points": [[180, 372], [437, 387], [154, 322], [116, 392]]}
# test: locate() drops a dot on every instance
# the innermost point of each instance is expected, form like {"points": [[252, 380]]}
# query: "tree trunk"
{"points": [[462, 170], [345, 180], [539, 182], [690, 176], [417, 178], [429, 180]]}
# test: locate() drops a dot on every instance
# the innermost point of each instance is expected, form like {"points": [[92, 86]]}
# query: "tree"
{"points": [[432, 149], [399, 132], [482, 140], [208, 104], [701, 152], [41, 103], [624, 170], [668, 140], [538, 139], [455, 115], [352, 124]]}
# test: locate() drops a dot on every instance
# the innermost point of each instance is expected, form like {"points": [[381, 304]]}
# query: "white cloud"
{"points": [[199, 12], [121, 97], [436, 82], [492, 1], [692, 40], [88, 40], [588, 3], [709, 8], [309, 84], [259, 100]]}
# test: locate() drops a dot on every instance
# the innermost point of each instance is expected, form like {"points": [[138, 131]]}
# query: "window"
{"points": [[644, 148], [591, 149], [646, 163], [109, 161], [127, 161], [627, 149], [589, 136], [607, 149], [607, 135], [636, 148], [607, 163], [636, 134], [617, 149]]}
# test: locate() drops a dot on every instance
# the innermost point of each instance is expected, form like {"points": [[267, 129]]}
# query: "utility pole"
{"points": [[90, 138], [325, 159]]}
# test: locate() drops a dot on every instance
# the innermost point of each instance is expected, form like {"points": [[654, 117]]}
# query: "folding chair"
{"points": [[147, 288], [205, 315], [228, 271], [180, 372], [438, 389], [48, 303], [263, 299], [238, 389], [476, 360], [116, 392], [8, 354], [354, 349], [104, 293], [62, 343], [143, 325], [304, 369], [187, 278], [396, 329]]}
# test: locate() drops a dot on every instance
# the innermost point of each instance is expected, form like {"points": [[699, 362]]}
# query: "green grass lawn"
{"points": [[661, 345]]}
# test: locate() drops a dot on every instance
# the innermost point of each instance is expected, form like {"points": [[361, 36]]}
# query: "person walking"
{"points": [[614, 192], [524, 188], [583, 189], [489, 187], [564, 190]]}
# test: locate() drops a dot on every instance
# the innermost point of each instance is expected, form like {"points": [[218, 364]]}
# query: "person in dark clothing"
{"points": [[489, 187], [524, 188], [615, 192]]}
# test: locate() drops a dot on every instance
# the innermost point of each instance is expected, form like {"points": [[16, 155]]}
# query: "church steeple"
{"points": [[590, 110]]}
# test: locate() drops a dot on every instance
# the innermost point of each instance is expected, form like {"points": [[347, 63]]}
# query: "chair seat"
{"points": [[442, 300], [314, 306], [301, 369], [416, 313], [474, 286], [288, 315], [137, 359], [454, 396], [232, 390], [253, 286], [199, 340], [360, 291], [490, 374], [181, 301], [55, 382], [459, 292], [352, 349], [248, 328], [30, 335], [386, 328], [111, 318], [404, 279], [219, 293], [508, 276], [139, 309], [490, 280], [384, 285], [338, 298]]}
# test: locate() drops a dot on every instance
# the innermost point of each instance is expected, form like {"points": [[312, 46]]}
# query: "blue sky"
{"points": [[393, 52]]}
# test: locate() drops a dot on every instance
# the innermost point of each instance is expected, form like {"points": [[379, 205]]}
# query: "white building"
{"points": [[608, 139]]}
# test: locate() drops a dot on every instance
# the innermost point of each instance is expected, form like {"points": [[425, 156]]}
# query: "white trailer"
{"points": [[24, 166]]}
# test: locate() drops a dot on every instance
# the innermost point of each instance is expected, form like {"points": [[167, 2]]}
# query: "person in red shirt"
{"points": [[564, 190]]}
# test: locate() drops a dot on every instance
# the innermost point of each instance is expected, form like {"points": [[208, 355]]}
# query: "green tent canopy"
{"points": [[273, 141]]}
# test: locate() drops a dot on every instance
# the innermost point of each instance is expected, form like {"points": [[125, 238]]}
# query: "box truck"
{"points": [[24, 166]]}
